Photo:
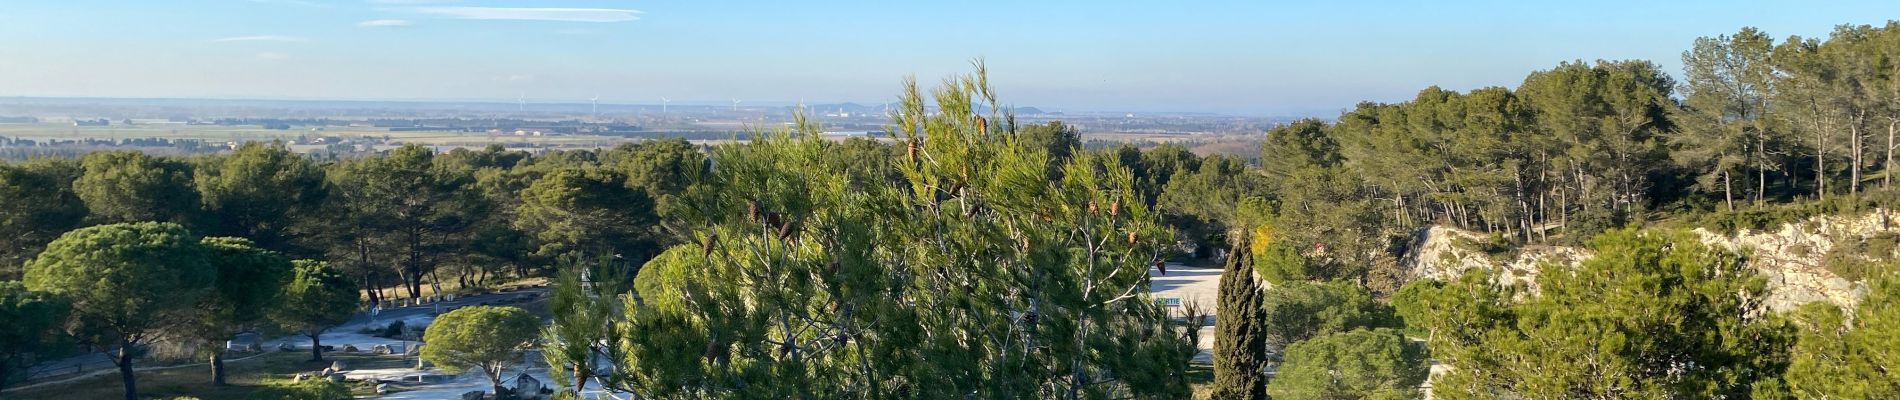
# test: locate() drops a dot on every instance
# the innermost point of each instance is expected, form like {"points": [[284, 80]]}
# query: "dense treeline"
{"points": [[1754, 132], [968, 256], [395, 220]]}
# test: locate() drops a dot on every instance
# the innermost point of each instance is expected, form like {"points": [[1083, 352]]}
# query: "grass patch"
{"points": [[1201, 380], [244, 377]]}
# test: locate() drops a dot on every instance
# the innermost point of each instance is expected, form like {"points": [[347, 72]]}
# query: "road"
{"points": [[92, 363], [1192, 286]]}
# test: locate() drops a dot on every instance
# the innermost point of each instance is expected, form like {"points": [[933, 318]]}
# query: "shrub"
{"points": [[309, 389], [394, 330]]}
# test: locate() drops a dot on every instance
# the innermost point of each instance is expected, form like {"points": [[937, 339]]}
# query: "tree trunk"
{"points": [[1820, 165], [125, 372], [1761, 160], [217, 367], [316, 347], [1728, 194], [494, 377], [1854, 144], [1886, 169]]}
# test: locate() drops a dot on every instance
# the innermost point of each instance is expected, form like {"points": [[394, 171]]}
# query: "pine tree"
{"points": [[1240, 346]]}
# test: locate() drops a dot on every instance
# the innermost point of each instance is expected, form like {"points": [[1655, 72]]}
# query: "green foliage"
{"points": [[1203, 200], [1358, 364], [479, 337], [1280, 263], [259, 191], [1240, 347], [249, 280], [314, 299], [1848, 356], [1653, 314], [588, 211], [36, 204], [125, 281], [128, 283], [583, 301], [130, 186], [972, 274], [1300, 310], [404, 204], [309, 389], [664, 169], [1855, 259], [1060, 141], [32, 320]]}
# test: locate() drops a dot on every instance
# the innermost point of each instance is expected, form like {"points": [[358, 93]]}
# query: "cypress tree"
{"points": [[1240, 344]]}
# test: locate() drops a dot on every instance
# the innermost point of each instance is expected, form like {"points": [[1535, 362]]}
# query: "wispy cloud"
{"points": [[272, 56], [384, 23], [264, 38], [536, 14], [411, 2]]}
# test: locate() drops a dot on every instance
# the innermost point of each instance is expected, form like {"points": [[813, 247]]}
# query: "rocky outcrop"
{"points": [[1792, 257], [1443, 253]]}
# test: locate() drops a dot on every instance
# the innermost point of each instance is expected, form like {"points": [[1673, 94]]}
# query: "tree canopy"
{"points": [[488, 338]]}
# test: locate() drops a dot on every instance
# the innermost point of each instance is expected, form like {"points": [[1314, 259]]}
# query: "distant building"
{"points": [[92, 122]]}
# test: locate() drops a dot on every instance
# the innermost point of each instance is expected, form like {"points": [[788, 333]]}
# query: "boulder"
{"points": [[349, 348], [298, 378], [336, 378], [381, 349], [382, 389], [339, 365], [475, 395], [285, 347], [326, 372], [526, 385]]}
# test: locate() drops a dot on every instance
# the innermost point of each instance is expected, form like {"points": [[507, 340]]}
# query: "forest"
{"points": [[967, 256]]}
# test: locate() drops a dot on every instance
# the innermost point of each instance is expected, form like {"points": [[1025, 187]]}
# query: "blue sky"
{"points": [[1239, 57]]}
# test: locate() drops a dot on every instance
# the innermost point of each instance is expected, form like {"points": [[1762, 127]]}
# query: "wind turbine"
{"points": [[521, 102], [735, 104], [596, 101], [663, 101]]}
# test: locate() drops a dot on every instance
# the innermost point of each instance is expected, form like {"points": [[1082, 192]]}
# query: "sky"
{"points": [[1255, 58]]}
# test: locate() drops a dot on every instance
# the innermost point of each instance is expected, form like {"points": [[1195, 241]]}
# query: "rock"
{"points": [[381, 349], [382, 389], [336, 378], [415, 350], [285, 347], [298, 378], [326, 372], [527, 385], [339, 365], [475, 395], [1791, 257], [349, 348]]}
